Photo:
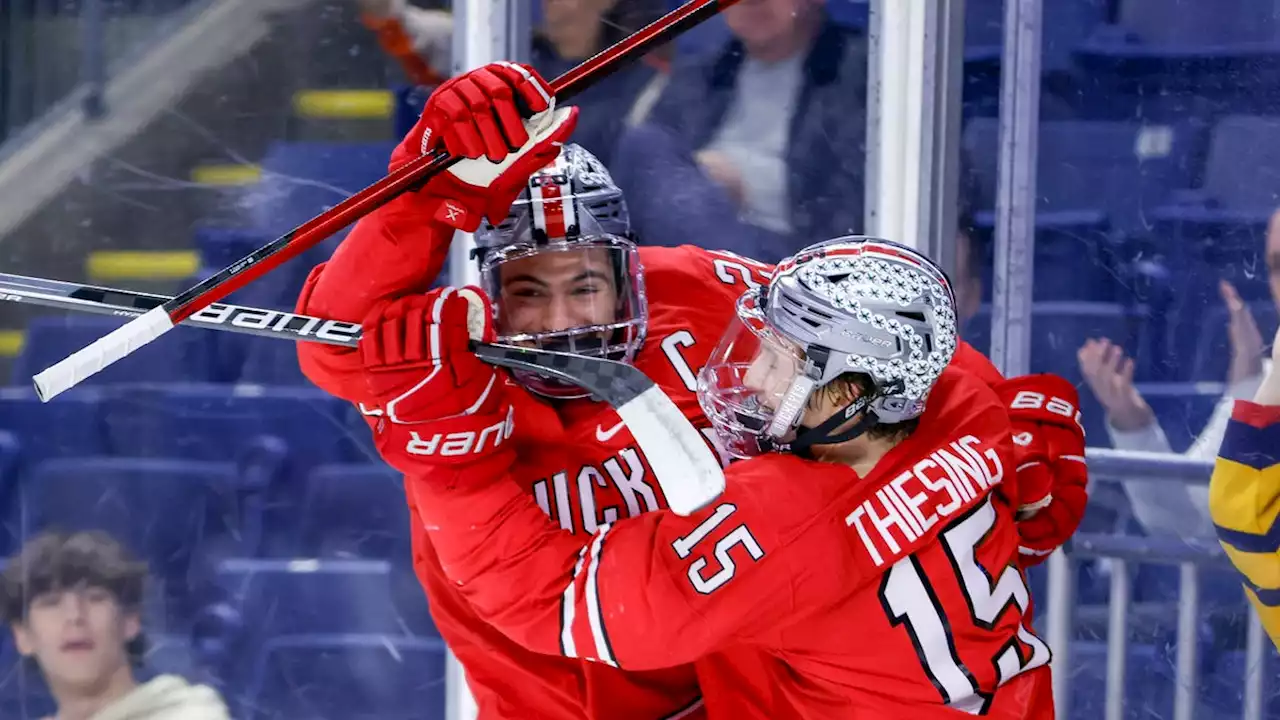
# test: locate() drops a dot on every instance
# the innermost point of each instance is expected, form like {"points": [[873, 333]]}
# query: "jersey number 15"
{"points": [[740, 535], [909, 598]]}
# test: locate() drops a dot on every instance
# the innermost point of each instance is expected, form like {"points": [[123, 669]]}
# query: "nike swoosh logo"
{"points": [[603, 435]]}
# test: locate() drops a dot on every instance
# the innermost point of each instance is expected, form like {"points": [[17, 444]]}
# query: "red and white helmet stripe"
{"points": [[553, 215]]}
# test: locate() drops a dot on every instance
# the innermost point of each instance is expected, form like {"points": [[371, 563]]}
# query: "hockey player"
{"points": [[1244, 495], [863, 562], [563, 274]]}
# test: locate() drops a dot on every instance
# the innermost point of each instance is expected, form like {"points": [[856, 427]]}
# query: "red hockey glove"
{"points": [[436, 401], [1052, 476], [480, 115]]}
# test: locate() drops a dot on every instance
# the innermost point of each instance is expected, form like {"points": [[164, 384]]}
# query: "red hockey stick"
{"points": [[70, 371]]}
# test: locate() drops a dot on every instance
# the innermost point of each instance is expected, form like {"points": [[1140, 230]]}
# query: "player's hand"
{"points": [[417, 361], [717, 166], [1052, 475], [1246, 338], [1110, 376], [435, 400], [502, 118]]}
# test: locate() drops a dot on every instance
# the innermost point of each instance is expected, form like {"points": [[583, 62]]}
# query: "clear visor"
{"points": [[754, 387], [586, 298]]}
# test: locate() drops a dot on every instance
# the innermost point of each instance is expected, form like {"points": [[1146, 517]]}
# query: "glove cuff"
{"points": [[461, 440]]}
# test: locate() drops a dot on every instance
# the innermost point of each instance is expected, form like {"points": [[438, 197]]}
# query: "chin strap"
{"points": [[821, 434]]}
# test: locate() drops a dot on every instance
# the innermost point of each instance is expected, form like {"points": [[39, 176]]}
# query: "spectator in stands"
{"points": [[571, 31], [73, 602], [757, 146], [574, 30], [1164, 508]]}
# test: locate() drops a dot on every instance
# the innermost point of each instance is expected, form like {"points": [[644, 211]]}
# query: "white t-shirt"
{"points": [[754, 135]]}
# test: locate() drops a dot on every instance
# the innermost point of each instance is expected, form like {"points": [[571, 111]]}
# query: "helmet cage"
{"points": [[570, 205], [618, 339]]}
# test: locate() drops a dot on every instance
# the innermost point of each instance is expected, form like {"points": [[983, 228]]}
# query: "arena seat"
{"points": [[355, 677], [176, 514], [181, 355]]}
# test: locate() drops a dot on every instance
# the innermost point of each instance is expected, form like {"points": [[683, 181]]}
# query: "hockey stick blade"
{"points": [[687, 470], [685, 466], [123, 341]]}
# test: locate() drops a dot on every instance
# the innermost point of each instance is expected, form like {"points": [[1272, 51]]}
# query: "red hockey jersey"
{"points": [[804, 591], [578, 464]]}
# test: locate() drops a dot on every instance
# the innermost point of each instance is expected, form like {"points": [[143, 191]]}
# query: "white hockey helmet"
{"points": [[852, 304], [570, 214]]}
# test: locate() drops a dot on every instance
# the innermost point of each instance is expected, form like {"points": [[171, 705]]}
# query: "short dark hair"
{"points": [[55, 560]]}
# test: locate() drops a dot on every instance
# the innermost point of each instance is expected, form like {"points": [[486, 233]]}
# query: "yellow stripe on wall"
{"points": [[343, 104], [141, 264], [228, 175], [11, 342]]}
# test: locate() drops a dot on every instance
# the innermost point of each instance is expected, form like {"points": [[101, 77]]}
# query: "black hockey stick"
{"points": [[686, 468]]}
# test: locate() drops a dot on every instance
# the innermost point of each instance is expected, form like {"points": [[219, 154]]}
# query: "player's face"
{"points": [[77, 636], [558, 290], [770, 28], [573, 22]]}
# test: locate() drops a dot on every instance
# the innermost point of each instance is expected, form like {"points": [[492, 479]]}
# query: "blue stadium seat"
{"points": [[356, 510], [182, 355], [10, 524], [300, 179], [1167, 58], [1065, 26], [1060, 328], [170, 512], [1124, 169], [274, 434], [222, 245], [70, 425], [1240, 176], [258, 600], [408, 107], [1077, 258], [355, 677], [308, 596], [1187, 26], [271, 362], [218, 422]]}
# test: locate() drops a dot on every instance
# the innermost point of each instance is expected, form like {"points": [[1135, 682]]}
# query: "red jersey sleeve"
{"points": [[395, 251], [650, 591]]}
